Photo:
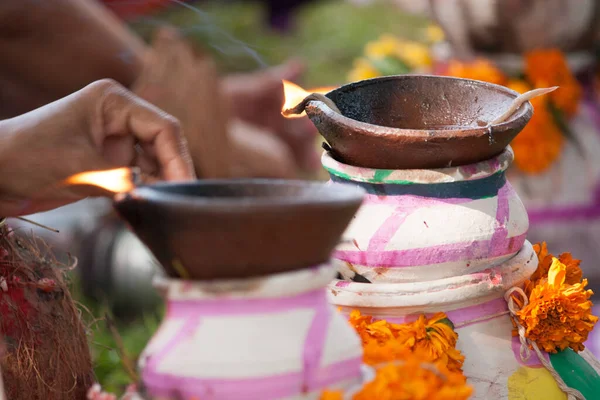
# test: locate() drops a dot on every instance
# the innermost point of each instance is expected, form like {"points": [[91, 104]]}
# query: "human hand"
{"points": [[258, 97], [100, 127]]}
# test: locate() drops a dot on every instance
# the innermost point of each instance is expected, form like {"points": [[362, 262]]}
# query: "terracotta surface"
{"points": [[239, 228], [417, 121]]}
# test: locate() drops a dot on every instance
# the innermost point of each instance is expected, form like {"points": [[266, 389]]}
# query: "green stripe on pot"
{"points": [[380, 176], [577, 373]]}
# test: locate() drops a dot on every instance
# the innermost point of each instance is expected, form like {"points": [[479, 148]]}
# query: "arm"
{"points": [[52, 48]]}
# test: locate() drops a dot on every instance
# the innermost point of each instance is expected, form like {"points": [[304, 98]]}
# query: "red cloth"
{"points": [[128, 9]]}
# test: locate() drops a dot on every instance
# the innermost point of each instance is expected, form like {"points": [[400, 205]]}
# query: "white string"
{"points": [[526, 344]]}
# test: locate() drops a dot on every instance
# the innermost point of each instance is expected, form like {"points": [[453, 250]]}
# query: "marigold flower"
{"points": [[540, 143], [386, 46], [415, 55], [412, 379], [432, 339], [331, 395], [545, 68], [479, 69], [435, 34], [573, 271], [362, 70], [558, 314]]}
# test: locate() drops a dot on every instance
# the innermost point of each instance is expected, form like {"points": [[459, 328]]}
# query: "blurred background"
{"points": [[520, 44]]}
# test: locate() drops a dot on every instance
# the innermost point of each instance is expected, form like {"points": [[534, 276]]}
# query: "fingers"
{"points": [[122, 114]]}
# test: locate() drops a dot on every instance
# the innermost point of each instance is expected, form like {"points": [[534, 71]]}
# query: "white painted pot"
{"points": [[265, 338], [421, 225], [475, 304]]}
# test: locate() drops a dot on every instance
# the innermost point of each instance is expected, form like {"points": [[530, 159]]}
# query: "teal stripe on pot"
{"points": [[476, 189], [577, 373]]}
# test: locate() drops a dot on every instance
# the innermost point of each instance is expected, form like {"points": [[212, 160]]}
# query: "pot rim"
{"points": [[323, 194], [363, 128], [469, 172], [285, 284], [440, 293]]}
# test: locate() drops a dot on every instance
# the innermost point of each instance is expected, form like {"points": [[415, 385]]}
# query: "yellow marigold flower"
{"points": [[414, 380], [362, 70], [386, 46], [480, 69], [546, 68], [573, 271], [558, 314], [435, 34], [415, 55]]}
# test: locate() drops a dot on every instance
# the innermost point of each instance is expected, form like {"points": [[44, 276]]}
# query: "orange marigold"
{"points": [[414, 380], [331, 395], [479, 69], [558, 314], [545, 68], [573, 271], [433, 339], [540, 143]]}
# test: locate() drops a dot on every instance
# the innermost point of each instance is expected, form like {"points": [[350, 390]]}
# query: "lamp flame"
{"points": [[294, 94], [117, 180]]}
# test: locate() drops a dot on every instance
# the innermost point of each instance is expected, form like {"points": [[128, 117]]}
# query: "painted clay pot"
{"points": [[415, 121], [475, 303], [421, 225], [267, 338], [229, 229]]}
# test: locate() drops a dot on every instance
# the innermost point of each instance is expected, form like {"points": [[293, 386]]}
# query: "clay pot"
{"points": [[417, 121], [267, 338], [421, 225], [218, 229], [475, 304], [517, 26]]}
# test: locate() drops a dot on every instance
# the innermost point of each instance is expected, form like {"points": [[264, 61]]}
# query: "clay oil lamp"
{"points": [[441, 229], [247, 265]]}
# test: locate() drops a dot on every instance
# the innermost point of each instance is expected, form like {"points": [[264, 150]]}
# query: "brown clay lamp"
{"points": [[224, 229], [417, 121]]}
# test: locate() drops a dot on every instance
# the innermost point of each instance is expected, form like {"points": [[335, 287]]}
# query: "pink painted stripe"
{"points": [[411, 202], [500, 238], [533, 361], [463, 317], [265, 388], [386, 231], [314, 345], [452, 252], [189, 327], [404, 207]]}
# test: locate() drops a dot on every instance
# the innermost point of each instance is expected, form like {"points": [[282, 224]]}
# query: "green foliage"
{"points": [[328, 35]]}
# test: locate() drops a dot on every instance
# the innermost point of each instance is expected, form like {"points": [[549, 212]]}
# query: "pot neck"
{"points": [[464, 173], [293, 284]]}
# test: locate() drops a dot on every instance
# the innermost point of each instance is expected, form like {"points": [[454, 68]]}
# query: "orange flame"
{"points": [[294, 94], [117, 180]]}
